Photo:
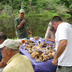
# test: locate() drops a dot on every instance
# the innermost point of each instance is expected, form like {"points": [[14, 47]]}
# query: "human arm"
{"points": [[29, 31], [60, 50], [2, 63], [49, 39], [20, 25], [49, 36]]}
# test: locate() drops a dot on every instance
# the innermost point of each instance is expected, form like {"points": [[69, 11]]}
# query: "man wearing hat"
{"points": [[21, 26], [15, 61], [50, 33]]}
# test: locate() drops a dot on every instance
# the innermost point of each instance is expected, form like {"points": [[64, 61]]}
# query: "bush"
{"points": [[70, 7]]}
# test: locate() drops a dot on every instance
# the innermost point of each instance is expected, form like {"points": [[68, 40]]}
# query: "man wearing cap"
{"points": [[50, 33], [21, 26], [15, 61]]}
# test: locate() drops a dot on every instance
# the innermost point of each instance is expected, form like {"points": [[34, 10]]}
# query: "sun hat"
{"points": [[21, 11], [10, 43]]}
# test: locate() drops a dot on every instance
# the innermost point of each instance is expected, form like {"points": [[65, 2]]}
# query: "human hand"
{"points": [[54, 62], [23, 21], [46, 39], [29, 32]]}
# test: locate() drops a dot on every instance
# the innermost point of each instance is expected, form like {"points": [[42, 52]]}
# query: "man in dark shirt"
{"points": [[21, 26]]}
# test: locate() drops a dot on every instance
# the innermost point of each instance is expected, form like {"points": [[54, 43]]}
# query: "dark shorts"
{"points": [[64, 69]]}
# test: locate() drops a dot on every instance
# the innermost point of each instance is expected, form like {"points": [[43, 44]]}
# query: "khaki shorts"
{"points": [[64, 69]]}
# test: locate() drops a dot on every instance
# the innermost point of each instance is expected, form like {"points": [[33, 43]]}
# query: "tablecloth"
{"points": [[45, 66]]}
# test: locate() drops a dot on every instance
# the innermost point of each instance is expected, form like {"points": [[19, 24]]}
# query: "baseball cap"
{"points": [[10, 43], [50, 25], [21, 11]]}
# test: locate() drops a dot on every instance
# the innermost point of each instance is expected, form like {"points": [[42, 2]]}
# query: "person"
{"points": [[21, 26], [15, 61], [63, 39], [50, 33], [2, 62]]}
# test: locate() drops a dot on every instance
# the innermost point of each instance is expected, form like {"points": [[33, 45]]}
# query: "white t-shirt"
{"points": [[64, 31]]}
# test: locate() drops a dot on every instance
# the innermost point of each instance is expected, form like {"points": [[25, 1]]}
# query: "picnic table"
{"points": [[45, 66]]}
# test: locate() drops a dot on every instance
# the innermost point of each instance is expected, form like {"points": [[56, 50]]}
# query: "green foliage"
{"points": [[61, 10], [39, 22], [46, 4], [38, 14], [0, 6], [4, 16], [51, 5], [67, 15], [70, 7], [34, 2], [16, 13], [15, 38], [7, 21]]}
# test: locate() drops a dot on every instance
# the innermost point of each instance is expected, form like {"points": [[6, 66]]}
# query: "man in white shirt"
{"points": [[63, 39]]}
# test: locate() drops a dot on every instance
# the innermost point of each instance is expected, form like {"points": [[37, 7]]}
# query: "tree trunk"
{"points": [[22, 3]]}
